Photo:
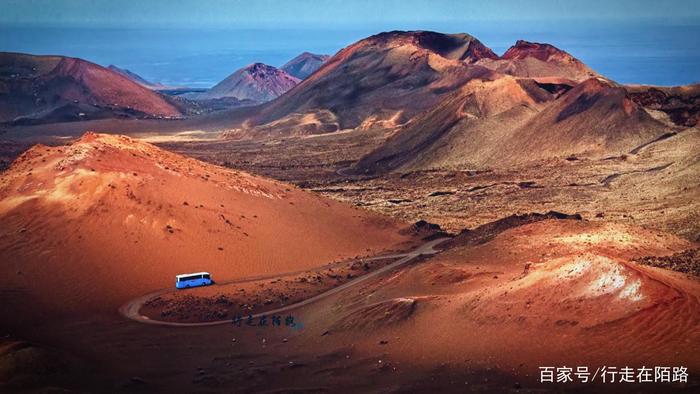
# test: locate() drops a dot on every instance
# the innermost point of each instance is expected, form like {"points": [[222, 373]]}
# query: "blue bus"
{"points": [[193, 280]]}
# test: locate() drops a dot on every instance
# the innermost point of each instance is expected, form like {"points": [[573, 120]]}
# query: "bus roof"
{"points": [[192, 274]]}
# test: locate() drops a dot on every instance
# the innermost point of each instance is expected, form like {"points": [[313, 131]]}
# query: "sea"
{"points": [[647, 52]]}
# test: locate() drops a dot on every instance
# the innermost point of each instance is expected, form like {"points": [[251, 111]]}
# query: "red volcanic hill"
{"points": [[393, 75], [304, 65], [54, 88], [535, 60], [512, 121], [92, 224], [543, 52], [258, 82], [561, 292]]}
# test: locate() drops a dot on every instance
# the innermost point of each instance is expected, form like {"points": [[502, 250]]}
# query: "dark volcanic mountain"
{"points": [[681, 103], [136, 78], [258, 82], [594, 118], [37, 89], [304, 65], [393, 75]]}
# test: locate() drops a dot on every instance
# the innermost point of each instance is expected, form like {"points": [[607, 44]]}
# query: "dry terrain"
{"points": [[158, 214], [571, 202]]}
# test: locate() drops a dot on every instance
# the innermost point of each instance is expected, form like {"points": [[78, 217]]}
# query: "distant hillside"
{"points": [[535, 60], [257, 82], [393, 75], [304, 65], [39, 89], [515, 121], [137, 78]]}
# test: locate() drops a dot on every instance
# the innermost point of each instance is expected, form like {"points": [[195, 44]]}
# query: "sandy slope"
{"points": [[558, 292], [481, 316], [512, 121], [88, 226], [470, 125]]}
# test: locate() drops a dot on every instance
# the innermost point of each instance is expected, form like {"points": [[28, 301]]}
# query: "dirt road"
{"points": [[132, 308]]}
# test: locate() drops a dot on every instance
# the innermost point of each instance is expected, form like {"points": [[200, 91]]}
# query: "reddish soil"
{"points": [[225, 301], [445, 132], [159, 214]]}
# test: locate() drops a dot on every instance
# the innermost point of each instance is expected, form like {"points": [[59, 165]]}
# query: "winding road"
{"points": [[131, 309]]}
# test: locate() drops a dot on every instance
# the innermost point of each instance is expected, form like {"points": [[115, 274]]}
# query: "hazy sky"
{"points": [[328, 13]]}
